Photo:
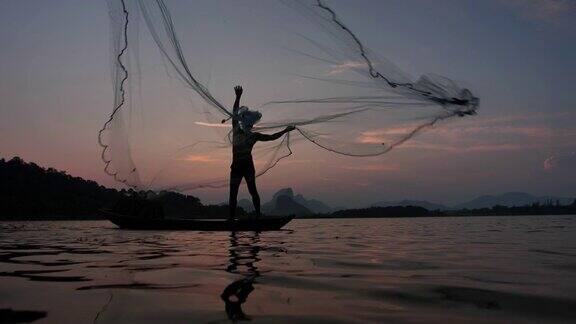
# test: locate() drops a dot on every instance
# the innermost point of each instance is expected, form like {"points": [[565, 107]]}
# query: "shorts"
{"points": [[242, 169]]}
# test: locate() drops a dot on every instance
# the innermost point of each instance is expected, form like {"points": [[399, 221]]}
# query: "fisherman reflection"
{"points": [[243, 256]]}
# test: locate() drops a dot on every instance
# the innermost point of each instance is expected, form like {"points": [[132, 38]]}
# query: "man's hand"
{"points": [[238, 90], [275, 136]]}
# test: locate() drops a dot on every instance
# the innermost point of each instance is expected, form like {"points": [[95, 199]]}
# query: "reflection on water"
{"points": [[433, 270], [243, 251]]}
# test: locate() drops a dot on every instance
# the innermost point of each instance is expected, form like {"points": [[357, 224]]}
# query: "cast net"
{"points": [[174, 66]]}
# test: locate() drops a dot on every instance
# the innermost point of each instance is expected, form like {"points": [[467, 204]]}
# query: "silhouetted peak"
{"points": [[246, 205], [313, 205], [284, 199], [285, 205], [284, 192]]}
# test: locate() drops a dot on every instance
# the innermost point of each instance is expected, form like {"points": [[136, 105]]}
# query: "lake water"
{"points": [[414, 270]]}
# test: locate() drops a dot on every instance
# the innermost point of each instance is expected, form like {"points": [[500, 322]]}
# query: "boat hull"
{"points": [[138, 223]]}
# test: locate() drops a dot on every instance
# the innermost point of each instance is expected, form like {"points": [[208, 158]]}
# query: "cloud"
{"points": [[466, 138], [199, 159], [543, 11], [385, 135], [343, 67], [302, 161], [373, 167], [329, 179], [218, 125], [471, 148], [560, 161], [506, 133]]}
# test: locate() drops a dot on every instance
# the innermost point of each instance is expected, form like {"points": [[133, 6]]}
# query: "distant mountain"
{"points": [[295, 204], [417, 203], [245, 204], [314, 205], [272, 203], [510, 199], [287, 206]]}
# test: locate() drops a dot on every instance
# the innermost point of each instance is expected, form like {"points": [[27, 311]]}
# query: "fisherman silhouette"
{"points": [[243, 140]]}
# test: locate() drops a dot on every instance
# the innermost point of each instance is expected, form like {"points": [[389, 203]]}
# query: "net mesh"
{"points": [[173, 70]]}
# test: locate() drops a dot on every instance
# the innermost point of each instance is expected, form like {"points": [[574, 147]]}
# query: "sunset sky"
{"points": [[517, 56]]}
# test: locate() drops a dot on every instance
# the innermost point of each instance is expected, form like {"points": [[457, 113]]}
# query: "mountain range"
{"points": [[285, 202], [29, 191], [510, 199]]}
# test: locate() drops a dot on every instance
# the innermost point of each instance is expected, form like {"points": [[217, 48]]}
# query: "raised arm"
{"points": [[238, 90], [275, 136]]}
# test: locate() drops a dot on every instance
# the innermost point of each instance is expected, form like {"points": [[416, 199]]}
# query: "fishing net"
{"points": [[174, 66]]}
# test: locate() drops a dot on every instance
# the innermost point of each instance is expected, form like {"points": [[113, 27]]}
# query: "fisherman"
{"points": [[243, 140]]}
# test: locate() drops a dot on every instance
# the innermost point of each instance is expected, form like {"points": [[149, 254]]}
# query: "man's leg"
{"points": [[233, 200], [251, 183]]}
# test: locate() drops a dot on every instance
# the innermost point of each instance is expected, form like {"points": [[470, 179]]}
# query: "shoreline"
{"points": [[303, 217]]}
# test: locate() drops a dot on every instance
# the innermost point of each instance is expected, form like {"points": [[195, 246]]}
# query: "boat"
{"points": [[143, 223]]}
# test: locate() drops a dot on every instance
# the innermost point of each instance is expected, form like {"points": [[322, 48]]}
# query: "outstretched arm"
{"points": [[275, 136], [238, 90]]}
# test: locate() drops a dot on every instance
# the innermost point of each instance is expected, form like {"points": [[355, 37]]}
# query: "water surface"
{"points": [[410, 270]]}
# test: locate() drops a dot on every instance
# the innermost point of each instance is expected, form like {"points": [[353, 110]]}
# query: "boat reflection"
{"points": [[243, 256]]}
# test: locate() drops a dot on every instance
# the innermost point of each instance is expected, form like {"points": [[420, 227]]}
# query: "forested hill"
{"points": [[29, 191]]}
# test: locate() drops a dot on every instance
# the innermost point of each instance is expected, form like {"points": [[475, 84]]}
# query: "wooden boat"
{"points": [[142, 223]]}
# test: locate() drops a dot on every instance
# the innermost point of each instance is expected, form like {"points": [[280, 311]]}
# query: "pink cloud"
{"points": [[199, 159], [373, 167], [468, 148], [508, 133], [386, 135]]}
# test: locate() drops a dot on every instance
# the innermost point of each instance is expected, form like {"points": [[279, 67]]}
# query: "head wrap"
{"points": [[248, 118]]}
